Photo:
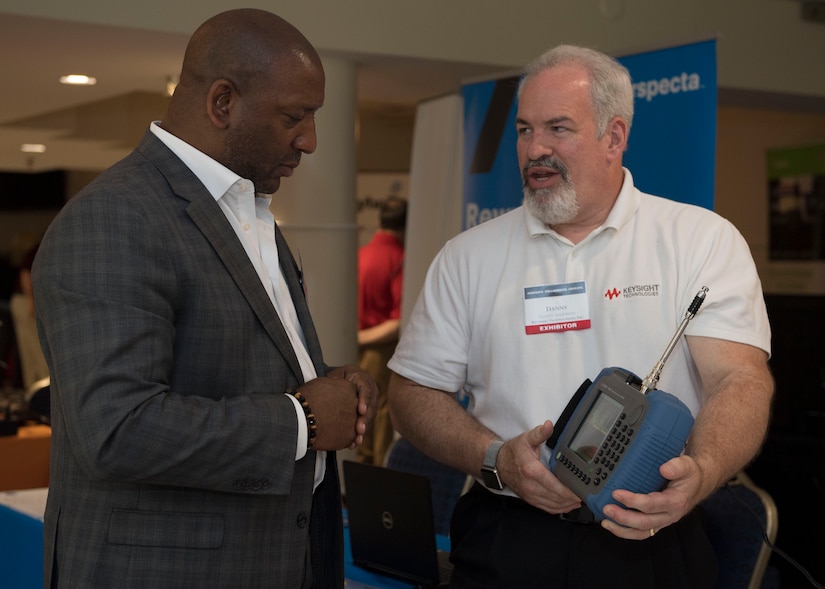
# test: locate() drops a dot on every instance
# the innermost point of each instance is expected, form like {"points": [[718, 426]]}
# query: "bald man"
{"points": [[195, 422]]}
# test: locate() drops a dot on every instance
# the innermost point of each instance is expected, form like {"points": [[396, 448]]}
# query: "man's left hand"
{"points": [[646, 514], [367, 392]]}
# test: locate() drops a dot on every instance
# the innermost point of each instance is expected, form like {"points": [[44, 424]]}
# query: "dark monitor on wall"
{"points": [[34, 191], [798, 363]]}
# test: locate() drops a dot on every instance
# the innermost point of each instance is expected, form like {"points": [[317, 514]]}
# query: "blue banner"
{"points": [[671, 149]]}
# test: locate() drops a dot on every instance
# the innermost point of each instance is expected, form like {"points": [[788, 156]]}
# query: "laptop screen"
{"points": [[391, 522]]}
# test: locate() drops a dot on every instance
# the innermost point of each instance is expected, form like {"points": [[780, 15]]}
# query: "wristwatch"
{"points": [[489, 472]]}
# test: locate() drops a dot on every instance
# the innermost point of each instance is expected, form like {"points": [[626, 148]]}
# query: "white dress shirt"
{"points": [[254, 224]]}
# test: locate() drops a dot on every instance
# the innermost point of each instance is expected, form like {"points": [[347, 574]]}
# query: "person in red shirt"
{"points": [[380, 280]]}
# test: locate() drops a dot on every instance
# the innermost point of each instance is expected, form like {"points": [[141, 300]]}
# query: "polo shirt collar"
{"points": [[623, 210], [625, 206], [383, 237]]}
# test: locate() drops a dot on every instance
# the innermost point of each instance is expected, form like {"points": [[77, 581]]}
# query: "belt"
{"points": [[580, 515]]}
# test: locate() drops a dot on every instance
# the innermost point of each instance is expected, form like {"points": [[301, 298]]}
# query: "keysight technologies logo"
{"points": [[638, 290]]}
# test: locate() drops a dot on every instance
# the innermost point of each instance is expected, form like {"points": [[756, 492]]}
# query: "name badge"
{"points": [[550, 308]]}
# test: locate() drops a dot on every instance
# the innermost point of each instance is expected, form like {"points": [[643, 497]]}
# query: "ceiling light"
{"points": [[78, 80], [33, 148]]}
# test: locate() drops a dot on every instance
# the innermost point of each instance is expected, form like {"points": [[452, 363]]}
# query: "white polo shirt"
{"points": [[633, 279]]}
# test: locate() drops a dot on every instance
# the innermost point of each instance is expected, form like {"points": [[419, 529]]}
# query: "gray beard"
{"points": [[552, 206]]}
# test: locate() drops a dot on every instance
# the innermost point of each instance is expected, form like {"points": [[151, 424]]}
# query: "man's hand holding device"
{"points": [[619, 442]]}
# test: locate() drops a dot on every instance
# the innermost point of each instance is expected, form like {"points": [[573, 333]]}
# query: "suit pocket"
{"points": [[165, 529]]}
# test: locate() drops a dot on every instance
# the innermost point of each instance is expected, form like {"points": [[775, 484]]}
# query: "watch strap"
{"points": [[491, 454], [489, 472]]}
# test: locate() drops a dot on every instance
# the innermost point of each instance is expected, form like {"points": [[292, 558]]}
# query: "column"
{"points": [[316, 211]]}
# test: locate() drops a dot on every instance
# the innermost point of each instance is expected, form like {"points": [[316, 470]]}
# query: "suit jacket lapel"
{"points": [[207, 215], [294, 281]]}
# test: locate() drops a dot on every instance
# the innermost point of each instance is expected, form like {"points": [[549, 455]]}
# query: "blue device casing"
{"points": [[648, 430]]}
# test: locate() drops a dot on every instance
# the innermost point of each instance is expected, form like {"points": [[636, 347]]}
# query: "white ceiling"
{"points": [[89, 128]]}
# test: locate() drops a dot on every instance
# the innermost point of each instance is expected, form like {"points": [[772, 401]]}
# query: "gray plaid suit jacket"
{"points": [[173, 445]]}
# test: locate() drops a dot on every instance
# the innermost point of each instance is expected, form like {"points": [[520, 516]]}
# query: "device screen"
{"points": [[596, 426]]}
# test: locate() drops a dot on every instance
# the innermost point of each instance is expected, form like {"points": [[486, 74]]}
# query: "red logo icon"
{"points": [[612, 293]]}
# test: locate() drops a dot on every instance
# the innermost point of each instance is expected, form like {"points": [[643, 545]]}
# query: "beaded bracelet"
{"points": [[312, 425]]}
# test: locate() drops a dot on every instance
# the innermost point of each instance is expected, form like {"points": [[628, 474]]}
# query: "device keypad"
{"points": [[607, 456]]}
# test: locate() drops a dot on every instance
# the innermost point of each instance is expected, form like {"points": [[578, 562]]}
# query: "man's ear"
{"points": [[617, 131], [220, 100]]}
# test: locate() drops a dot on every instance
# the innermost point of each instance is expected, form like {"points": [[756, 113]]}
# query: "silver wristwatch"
{"points": [[489, 472]]}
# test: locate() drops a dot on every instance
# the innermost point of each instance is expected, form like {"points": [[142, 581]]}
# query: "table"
{"points": [[24, 458], [21, 538]]}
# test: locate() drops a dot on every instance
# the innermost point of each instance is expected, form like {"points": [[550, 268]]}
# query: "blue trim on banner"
{"points": [[672, 146], [495, 189]]}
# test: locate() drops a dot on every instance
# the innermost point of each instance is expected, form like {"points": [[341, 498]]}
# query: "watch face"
{"points": [[491, 480]]}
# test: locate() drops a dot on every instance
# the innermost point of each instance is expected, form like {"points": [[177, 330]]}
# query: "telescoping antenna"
{"points": [[652, 379]]}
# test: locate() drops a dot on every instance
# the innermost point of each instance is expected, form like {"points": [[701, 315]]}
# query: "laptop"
{"points": [[391, 526]]}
